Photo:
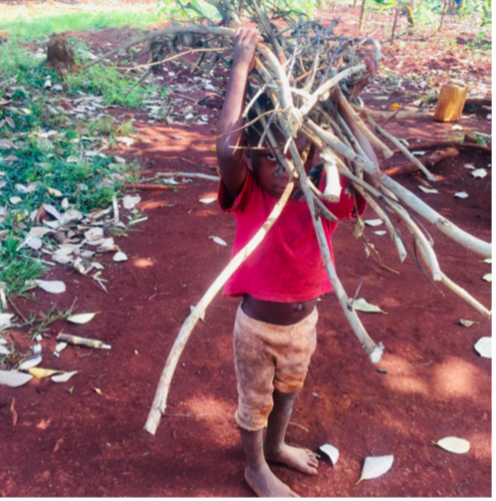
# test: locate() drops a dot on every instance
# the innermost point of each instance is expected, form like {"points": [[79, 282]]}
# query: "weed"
{"points": [[126, 128]]}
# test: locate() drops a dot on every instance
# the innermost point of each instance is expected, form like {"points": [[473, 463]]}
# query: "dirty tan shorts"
{"points": [[269, 356]]}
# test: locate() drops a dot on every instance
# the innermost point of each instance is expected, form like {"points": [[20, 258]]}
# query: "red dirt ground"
{"points": [[88, 444]]}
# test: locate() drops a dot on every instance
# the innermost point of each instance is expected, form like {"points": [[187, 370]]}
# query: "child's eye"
{"points": [[271, 157]]}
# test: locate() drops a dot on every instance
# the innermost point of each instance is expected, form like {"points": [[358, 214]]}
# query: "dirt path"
{"points": [[82, 443]]}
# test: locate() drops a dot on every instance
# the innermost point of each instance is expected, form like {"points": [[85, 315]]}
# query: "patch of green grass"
{"points": [[17, 267], [31, 28]]}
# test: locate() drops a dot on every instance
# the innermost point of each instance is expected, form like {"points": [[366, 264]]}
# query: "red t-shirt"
{"points": [[287, 265]]}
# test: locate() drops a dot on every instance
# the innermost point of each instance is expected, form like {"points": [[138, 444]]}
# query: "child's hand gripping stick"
{"points": [[333, 187]]}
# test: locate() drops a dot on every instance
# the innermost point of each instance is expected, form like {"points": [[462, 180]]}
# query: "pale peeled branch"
{"points": [[362, 305], [484, 347], [454, 444], [331, 452], [81, 318], [333, 187], [376, 466], [54, 286], [14, 378]]}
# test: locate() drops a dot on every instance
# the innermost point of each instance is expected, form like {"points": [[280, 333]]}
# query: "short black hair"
{"points": [[255, 130]]}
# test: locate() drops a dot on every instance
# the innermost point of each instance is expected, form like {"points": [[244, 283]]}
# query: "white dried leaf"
{"points": [[14, 378], [33, 242], [454, 444], [418, 153], [32, 362], [207, 200], [62, 259], [81, 318], [461, 194], [376, 466], [428, 190], [62, 378], [71, 215], [65, 203], [15, 200], [26, 189], [373, 222], [362, 305], [457, 127], [4, 350], [488, 277], [94, 234], [479, 173], [65, 250], [119, 256], [218, 240], [54, 192], [5, 320], [52, 211], [380, 232], [487, 261], [467, 323], [39, 231], [331, 452], [128, 202], [60, 346], [469, 166], [53, 286], [97, 265], [484, 347]]}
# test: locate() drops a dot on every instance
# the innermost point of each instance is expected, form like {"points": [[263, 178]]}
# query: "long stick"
{"points": [[447, 227], [160, 400]]}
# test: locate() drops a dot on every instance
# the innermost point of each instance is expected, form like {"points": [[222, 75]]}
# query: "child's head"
{"points": [[269, 173]]}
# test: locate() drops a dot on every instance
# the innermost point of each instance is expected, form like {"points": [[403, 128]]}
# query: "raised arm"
{"points": [[229, 132]]}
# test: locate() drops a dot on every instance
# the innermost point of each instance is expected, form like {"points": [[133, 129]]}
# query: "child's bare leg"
{"points": [[257, 473], [275, 448]]}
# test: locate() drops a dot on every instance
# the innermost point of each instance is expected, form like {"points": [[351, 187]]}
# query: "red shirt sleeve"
{"points": [[345, 208]]}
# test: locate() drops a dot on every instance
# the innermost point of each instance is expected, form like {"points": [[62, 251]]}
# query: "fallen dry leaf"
{"points": [[484, 347], [40, 373], [454, 444], [479, 173], [331, 452], [81, 318], [373, 222], [62, 378], [362, 305], [27, 364], [119, 257], [54, 286], [428, 190], [375, 467], [14, 378]]}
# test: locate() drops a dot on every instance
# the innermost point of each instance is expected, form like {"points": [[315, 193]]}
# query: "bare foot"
{"points": [[302, 460], [266, 484]]}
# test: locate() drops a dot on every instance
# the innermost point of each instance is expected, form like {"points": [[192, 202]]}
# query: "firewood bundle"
{"points": [[312, 77]]}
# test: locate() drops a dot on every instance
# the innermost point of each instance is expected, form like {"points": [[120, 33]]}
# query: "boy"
{"points": [[274, 333]]}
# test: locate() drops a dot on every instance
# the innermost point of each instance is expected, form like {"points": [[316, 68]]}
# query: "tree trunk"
{"points": [[362, 16]]}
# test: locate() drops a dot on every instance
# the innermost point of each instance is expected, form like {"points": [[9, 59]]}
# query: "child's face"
{"points": [[272, 176]]}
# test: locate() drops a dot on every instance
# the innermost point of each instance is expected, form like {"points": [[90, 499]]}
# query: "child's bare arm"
{"points": [[232, 166]]}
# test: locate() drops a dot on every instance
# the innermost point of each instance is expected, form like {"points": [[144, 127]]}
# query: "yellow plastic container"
{"points": [[451, 102]]}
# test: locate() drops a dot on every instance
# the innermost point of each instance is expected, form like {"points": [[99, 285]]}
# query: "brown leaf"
{"points": [[15, 417]]}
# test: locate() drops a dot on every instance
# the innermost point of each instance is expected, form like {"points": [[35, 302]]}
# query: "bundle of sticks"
{"points": [[307, 72]]}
